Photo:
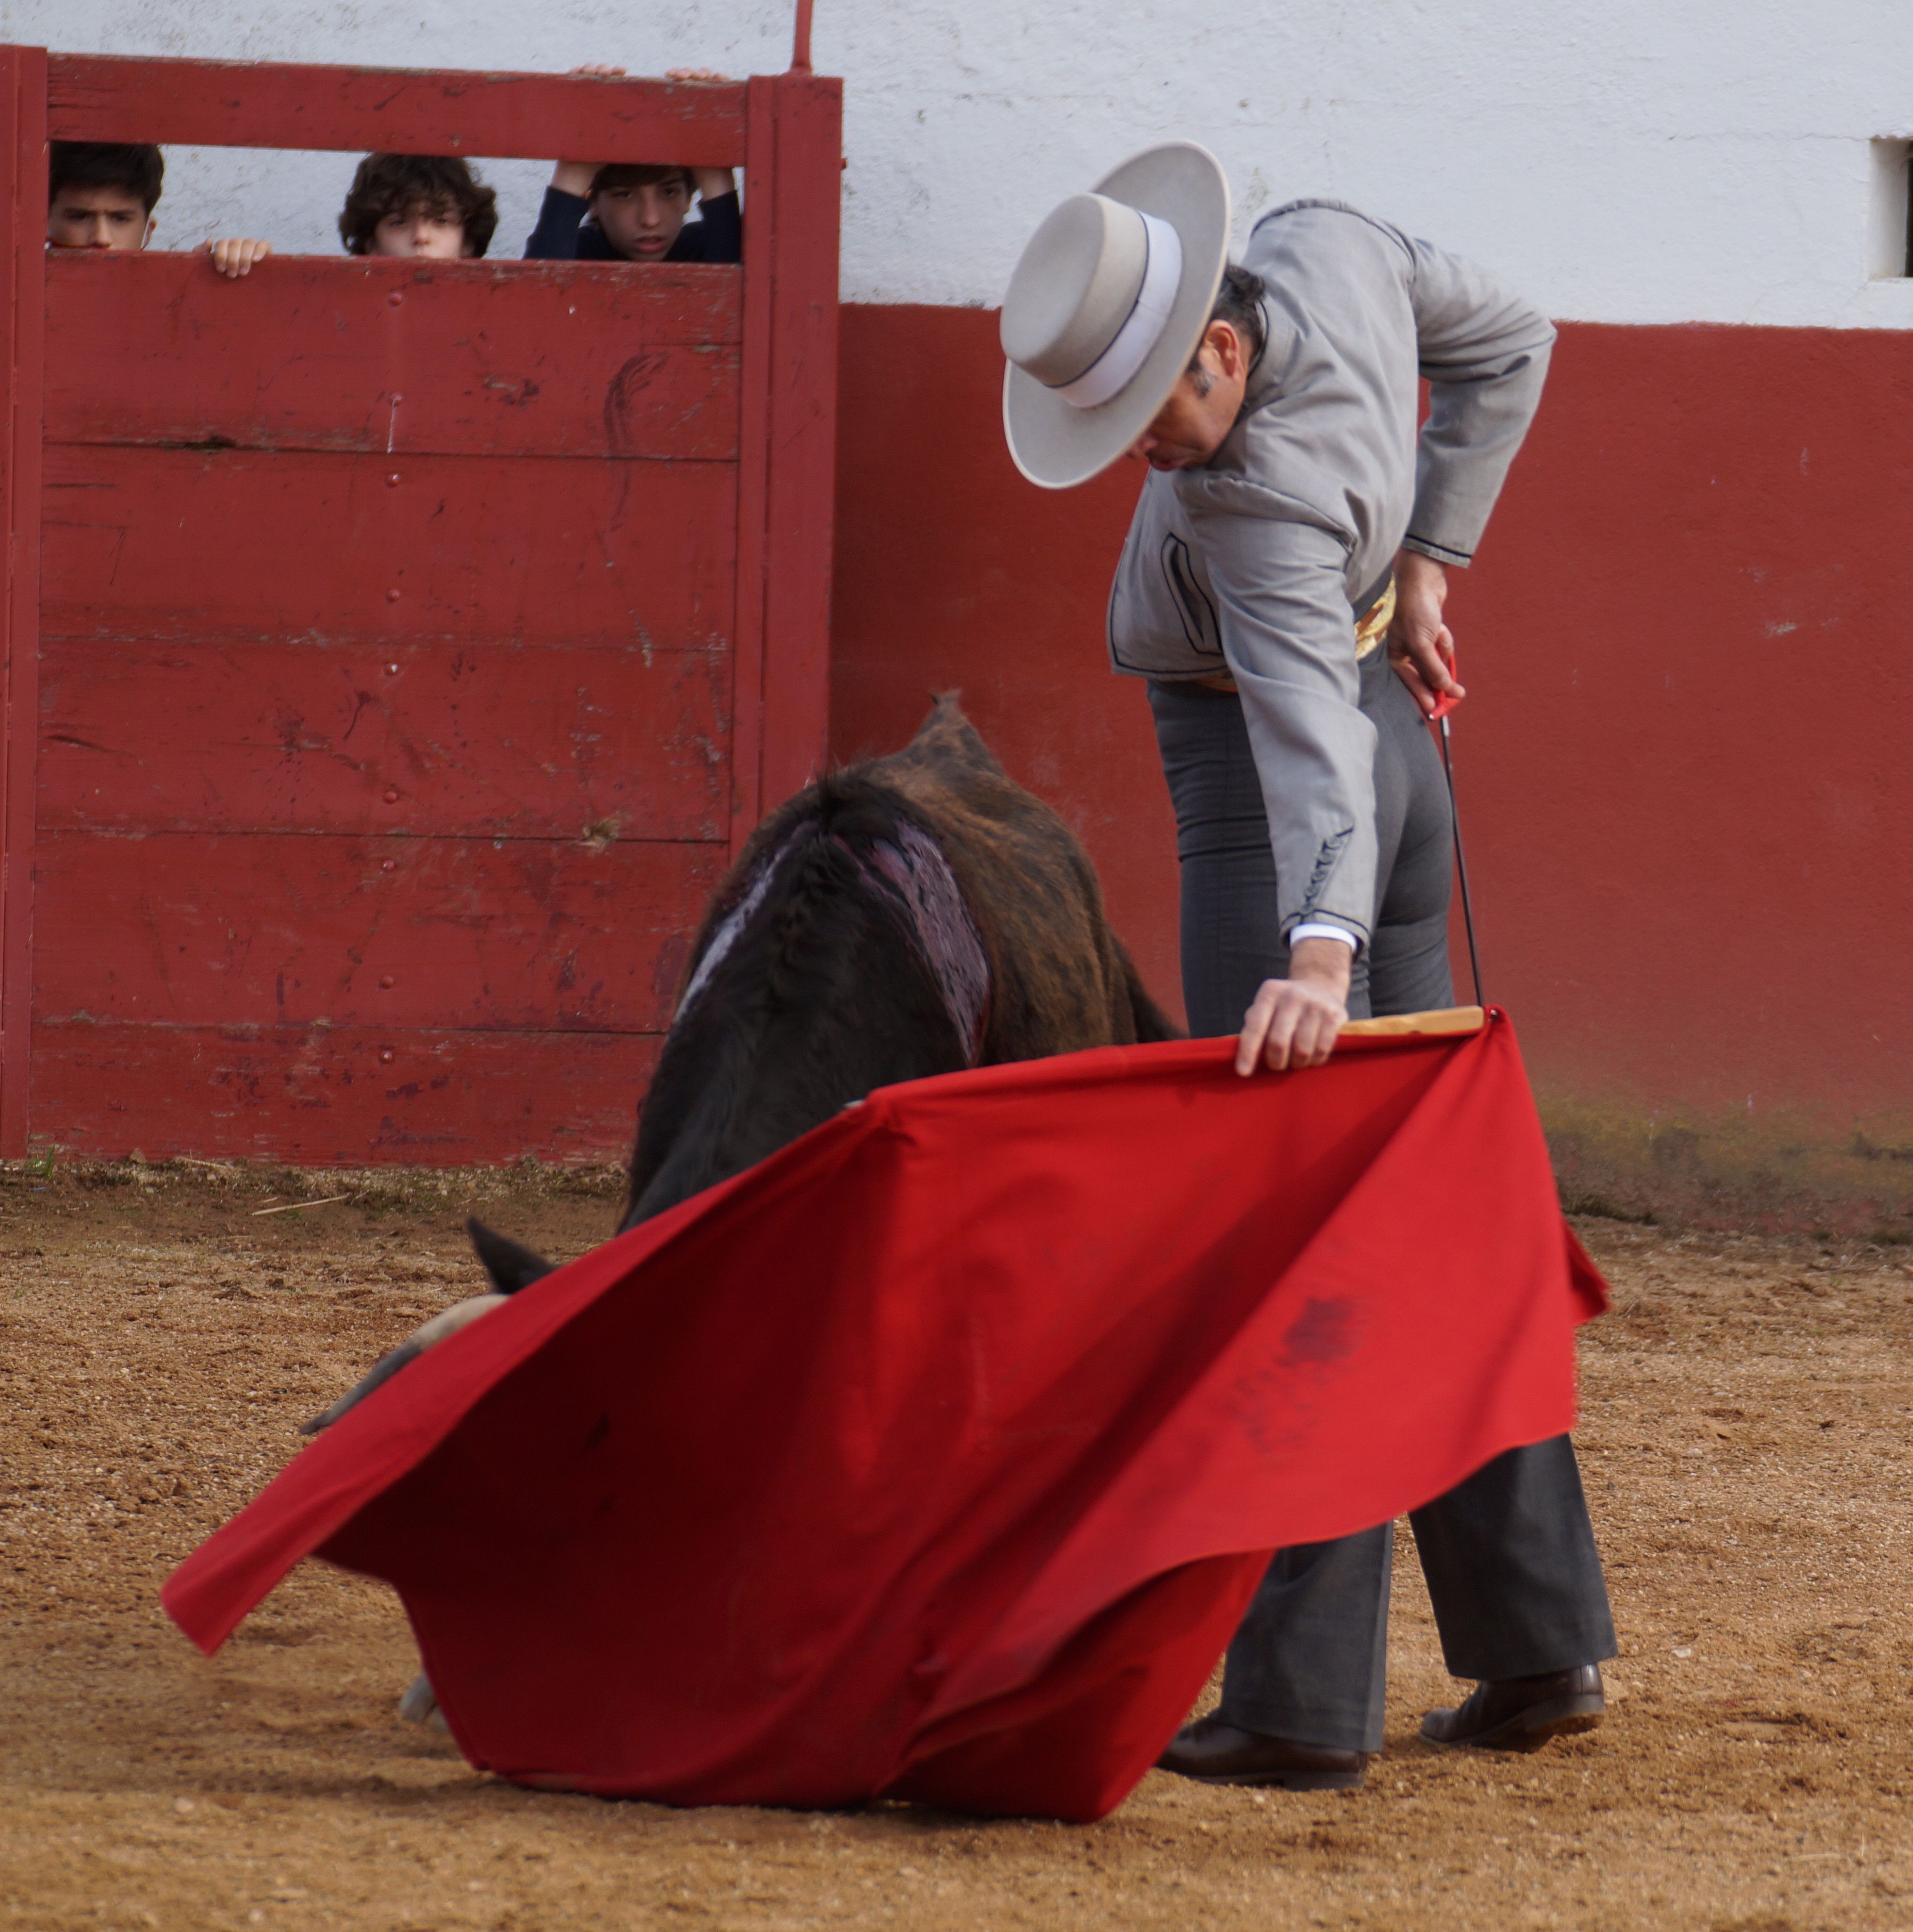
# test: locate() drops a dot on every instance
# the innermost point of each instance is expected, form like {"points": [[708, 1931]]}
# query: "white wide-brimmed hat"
{"points": [[1106, 308]]}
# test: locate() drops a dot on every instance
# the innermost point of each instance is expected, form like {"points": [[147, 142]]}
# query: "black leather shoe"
{"points": [[1214, 1753], [1522, 1713]]}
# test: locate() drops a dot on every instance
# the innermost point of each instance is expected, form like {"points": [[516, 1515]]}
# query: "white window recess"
{"points": [[1889, 211]]}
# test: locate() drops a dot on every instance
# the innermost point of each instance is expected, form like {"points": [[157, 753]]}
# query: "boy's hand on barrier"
{"points": [[708, 181], [234, 255], [1294, 1022], [576, 177]]}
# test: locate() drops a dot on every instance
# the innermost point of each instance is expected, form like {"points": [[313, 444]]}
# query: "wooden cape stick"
{"points": [[1442, 1019]]}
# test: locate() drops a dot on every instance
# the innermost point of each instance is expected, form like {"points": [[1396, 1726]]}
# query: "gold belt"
{"points": [[1370, 629]]}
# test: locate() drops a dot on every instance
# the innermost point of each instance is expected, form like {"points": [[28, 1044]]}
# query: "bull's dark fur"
{"points": [[826, 994], [823, 995]]}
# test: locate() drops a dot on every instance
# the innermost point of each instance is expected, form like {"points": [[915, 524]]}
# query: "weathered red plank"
{"points": [[230, 545], [266, 930], [548, 741], [439, 358], [325, 1096], [267, 104], [23, 256]]}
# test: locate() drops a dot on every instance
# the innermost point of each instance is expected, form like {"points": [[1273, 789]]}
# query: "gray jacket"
{"points": [[1258, 561]]}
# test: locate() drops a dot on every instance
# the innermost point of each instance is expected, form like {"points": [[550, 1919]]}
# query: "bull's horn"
{"points": [[511, 1265]]}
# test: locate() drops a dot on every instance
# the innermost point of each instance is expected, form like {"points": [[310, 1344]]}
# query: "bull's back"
{"points": [[1060, 980]]}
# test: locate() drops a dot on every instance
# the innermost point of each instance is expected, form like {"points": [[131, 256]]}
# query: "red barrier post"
{"points": [[790, 406], [23, 317]]}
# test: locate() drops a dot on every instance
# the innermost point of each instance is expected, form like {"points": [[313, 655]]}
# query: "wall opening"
{"points": [[1889, 238]]}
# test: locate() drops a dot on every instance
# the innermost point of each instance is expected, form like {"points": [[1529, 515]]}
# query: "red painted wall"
{"points": [[1686, 766]]}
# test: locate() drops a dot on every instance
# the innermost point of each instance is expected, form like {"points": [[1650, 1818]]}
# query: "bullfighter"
{"points": [[1281, 591]]}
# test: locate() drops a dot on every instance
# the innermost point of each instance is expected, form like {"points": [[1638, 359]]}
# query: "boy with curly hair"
{"points": [[428, 206]]}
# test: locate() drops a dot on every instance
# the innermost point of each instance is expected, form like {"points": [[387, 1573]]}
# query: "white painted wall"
{"points": [[1624, 161]]}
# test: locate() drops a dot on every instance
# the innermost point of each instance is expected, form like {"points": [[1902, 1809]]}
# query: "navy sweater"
{"points": [[565, 234]]}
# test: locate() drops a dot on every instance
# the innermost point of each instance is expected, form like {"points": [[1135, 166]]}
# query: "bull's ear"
{"points": [[510, 1264]]}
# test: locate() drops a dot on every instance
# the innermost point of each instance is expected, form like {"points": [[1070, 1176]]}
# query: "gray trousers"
{"points": [[1509, 1555]]}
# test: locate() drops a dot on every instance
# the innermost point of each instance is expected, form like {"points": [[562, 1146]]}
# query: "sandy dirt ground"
{"points": [[1745, 1440]]}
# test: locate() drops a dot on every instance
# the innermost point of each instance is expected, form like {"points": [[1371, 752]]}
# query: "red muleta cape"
{"points": [[937, 1455]]}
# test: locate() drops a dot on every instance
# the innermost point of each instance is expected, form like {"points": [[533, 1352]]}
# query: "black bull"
{"points": [[909, 916]]}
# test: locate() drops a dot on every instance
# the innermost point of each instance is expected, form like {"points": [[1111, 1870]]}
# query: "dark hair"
{"points": [[394, 184], [639, 174], [1239, 303], [138, 169]]}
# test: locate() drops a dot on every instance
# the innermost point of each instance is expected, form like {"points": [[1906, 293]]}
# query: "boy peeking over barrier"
{"points": [[638, 211], [428, 206], [101, 195]]}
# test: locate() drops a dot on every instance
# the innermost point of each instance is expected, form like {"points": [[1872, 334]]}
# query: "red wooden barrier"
{"points": [[394, 651]]}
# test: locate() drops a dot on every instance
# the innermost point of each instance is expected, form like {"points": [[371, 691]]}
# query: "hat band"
{"points": [[1111, 371]]}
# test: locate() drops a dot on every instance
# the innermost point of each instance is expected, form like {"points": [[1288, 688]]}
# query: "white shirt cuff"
{"points": [[1308, 930]]}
